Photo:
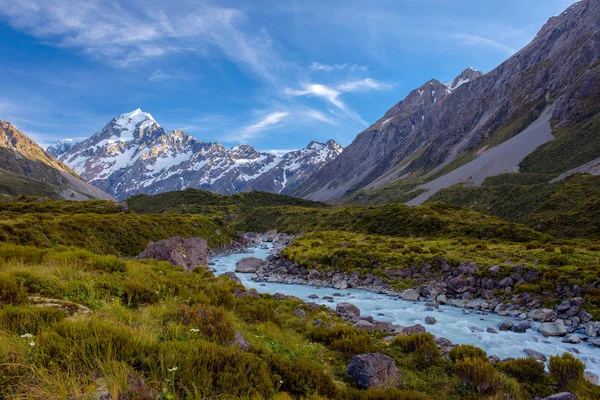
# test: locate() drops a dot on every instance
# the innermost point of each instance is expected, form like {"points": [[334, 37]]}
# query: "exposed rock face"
{"points": [[248, 265], [133, 154], [188, 253], [21, 156], [347, 311], [437, 123], [373, 370]]}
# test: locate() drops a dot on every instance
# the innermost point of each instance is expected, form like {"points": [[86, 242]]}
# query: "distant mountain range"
{"points": [[26, 169], [133, 155], [538, 113]]}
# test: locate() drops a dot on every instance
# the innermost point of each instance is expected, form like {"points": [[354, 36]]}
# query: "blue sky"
{"points": [[275, 74]]}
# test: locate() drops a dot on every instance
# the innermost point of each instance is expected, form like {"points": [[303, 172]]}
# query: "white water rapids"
{"points": [[451, 324]]}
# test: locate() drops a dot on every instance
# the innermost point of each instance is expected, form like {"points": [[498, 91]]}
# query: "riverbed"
{"points": [[452, 322]]}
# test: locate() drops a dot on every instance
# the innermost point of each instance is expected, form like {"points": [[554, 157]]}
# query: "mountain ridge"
{"points": [[134, 155]]}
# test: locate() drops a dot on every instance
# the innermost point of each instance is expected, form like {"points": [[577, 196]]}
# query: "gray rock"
{"points": [[347, 311], [536, 355], [317, 322], [494, 270], [562, 396], [506, 325], [232, 276], [521, 327], [542, 315], [491, 330], [443, 343], [595, 342], [248, 265], [564, 306], [313, 296], [468, 268], [299, 313], [365, 326], [373, 370], [430, 320], [573, 339], [187, 253], [241, 341], [410, 295], [414, 329], [591, 377], [556, 328]]}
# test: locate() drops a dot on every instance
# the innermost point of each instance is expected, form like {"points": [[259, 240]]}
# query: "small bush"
{"points": [[565, 370], [463, 351], [477, 373], [301, 378], [567, 250], [12, 291], [558, 261], [211, 322], [420, 345], [136, 294], [345, 339], [523, 369]]}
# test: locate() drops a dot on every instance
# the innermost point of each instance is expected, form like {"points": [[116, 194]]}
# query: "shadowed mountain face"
{"points": [[133, 155], [440, 127], [26, 169]]}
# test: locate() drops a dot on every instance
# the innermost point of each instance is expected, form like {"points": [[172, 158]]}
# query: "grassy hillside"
{"points": [[566, 209], [12, 184], [195, 201], [77, 325], [392, 220]]}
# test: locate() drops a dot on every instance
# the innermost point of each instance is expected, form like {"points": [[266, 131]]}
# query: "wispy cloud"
{"points": [[317, 66], [158, 75], [363, 84], [278, 152], [251, 131], [476, 40]]}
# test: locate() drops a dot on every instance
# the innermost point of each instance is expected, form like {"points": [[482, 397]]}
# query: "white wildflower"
{"points": [[194, 330], [172, 369], [32, 343], [27, 336]]}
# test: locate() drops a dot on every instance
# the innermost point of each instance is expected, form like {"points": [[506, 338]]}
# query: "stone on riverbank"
{"points": [[414, 329], [410, 295], [536, 355], [556, 328], [248, 265], [347, 311], [373, 370], [232, 276], [187, 253]]}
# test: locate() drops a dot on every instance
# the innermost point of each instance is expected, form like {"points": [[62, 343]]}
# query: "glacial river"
{"points": [[452, 322]]}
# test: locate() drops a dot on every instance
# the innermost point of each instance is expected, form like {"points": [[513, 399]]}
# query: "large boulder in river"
{"points": [[347, 311], [248, 265], [269, 236], [184, 252], [542, 315], [373, 370], [556, 328], [410, 295]]}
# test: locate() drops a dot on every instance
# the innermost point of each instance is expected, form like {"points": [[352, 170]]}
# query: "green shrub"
{"points": [[136, 294], [558, 261], [257, 310], [12, 291], [530, 374], [22, 320], [567, 250], [566, 370], [422, 346], [477, 373], [209, 320], [301, 378], [463, 351], [345, 339]]}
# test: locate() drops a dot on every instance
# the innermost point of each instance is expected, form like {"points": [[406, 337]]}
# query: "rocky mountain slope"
{"points": [[133, 155], [439, 128], [26, 169]]}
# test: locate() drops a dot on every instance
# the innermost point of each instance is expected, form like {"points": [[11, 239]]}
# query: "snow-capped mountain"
{"points": [[60, 147], [133, 154]]}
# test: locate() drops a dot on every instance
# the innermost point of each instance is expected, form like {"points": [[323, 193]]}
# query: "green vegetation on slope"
{"points": [[147, 329], [569, 208], [12, 184], [430, 220], [195, 201]]}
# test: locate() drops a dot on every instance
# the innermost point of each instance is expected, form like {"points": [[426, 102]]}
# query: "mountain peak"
{"points": [[468, 75]]}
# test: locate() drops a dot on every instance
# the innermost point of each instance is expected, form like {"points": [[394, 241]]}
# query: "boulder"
{"points": [[298, 312], [521, 327], [313, 296], [269, 236], [506, 325], [430, 320], [468, 268], [491, 330], [232, 276], [248, 265], [573, 339], [564, 306], [410, 295], [461, 283], [347, 311], [591, 377], [443, 343], [241, 341], [562, 396], [183, 252], [542, 315], [365, 326], [414, 329], [556, 328], [373, 370], [536, 355], [494, 270], [595, 342]]}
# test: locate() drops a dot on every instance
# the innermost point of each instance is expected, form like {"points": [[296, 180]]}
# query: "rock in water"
{"points": [[430, 320], [410, 295], [248, 265], [556, 328], [347, 311], [373, 370], [188, 253]]}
